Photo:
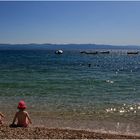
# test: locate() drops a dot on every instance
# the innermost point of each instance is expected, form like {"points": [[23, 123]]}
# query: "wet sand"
{"points": [[56, 133]]}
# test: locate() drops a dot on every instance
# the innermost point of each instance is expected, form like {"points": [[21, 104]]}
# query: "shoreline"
{"points": [[57, 133]]}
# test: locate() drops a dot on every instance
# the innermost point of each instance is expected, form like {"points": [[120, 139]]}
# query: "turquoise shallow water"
{"points": [[63, 91]]}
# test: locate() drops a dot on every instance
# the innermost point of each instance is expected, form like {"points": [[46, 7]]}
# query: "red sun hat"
{"points": [[22, 105]]}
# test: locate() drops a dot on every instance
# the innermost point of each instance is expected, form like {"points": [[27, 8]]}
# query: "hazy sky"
{"points": [[70, 22]]}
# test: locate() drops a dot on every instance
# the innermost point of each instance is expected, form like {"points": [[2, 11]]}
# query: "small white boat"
{"points": [[59, 52]]}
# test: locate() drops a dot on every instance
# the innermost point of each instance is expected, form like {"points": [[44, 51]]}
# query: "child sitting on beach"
{"points": [[1, 118], [22, 117]]}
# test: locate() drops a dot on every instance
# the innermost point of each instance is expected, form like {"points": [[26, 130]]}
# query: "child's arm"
{"points": [[1, 115], [29, 118], [14, 119]]}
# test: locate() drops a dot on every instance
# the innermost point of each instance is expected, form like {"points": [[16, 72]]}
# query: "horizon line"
{"points": [[67, 44]]}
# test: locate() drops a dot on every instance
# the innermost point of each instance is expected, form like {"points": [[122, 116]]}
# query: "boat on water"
{"points": [[59, 52], [91, 52], [95, 52], [104, 52], [132, 52], [83, 52]]}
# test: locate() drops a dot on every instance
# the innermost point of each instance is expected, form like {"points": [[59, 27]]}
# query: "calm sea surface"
{"points": [[63, 91]]}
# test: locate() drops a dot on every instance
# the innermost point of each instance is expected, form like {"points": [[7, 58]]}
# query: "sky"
{"points": [[80, 22]]}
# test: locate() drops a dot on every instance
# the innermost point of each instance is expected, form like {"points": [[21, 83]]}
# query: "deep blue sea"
{"points": [[63, 91]]}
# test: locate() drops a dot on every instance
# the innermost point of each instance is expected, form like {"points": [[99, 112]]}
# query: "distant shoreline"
{"points": [[34, 46]]}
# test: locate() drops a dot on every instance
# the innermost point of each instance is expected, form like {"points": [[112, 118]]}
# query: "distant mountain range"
{"points": [[64, 46]]}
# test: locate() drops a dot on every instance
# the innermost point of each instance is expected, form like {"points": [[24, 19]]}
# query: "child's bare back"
{"points": [[22, 118]]}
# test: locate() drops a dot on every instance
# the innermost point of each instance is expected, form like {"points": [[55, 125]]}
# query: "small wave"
{"points": [[110, 81], [133, 109]]}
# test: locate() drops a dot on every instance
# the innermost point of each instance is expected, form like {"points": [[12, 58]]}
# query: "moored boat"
{"points": [[132, 52], [89, 52], [104, 52], [59, 52]]}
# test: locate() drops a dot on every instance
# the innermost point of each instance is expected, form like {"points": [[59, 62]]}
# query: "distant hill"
{"points": [[63, 46]]}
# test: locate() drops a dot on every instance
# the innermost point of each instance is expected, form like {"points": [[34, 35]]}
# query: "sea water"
{"points": [[65, 91]]}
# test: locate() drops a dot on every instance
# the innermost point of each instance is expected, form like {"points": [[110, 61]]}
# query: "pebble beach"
{"points": [[7, 132]]}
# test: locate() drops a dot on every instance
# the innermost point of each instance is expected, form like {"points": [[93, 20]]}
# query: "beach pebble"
{"points": [[131, 108], [122, 111], [138, 107]]}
